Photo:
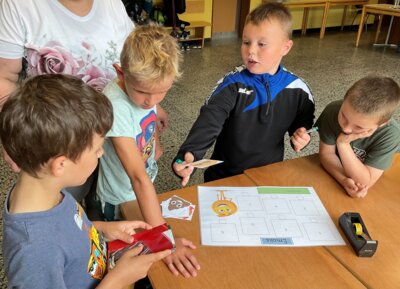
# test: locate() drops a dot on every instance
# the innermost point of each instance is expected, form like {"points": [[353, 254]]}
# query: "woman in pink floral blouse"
{"points": [[78, 37]]}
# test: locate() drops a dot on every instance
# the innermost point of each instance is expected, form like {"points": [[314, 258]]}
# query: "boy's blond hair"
{"points": [[374, 96], [272, 10], [150, 54]]}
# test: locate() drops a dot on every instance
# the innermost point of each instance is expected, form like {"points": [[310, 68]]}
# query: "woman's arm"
{"points": [[9, 73]]}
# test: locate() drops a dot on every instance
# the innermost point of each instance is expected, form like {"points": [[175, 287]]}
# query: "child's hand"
{"points": [[353, 189], [14, 167], [120, 230], [182, 260], [130, 268], [348, 138], [300, 139], [162, 119], [183, 171], [159, 151]]}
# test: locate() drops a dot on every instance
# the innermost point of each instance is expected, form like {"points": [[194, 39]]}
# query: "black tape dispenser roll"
{"points": [[357, 234]]}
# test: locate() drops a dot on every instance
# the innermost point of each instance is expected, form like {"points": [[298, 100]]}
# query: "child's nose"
{"points": [[151, 101], [252, 49], [347, 129]]}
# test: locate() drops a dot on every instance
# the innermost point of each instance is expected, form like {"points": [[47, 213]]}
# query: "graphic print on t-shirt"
{"points": [[97, 262], [145, 140], [98, 251], [360, 153]]}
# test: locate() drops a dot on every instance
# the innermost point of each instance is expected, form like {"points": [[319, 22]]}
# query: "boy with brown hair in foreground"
{"points": [[51, 127]]}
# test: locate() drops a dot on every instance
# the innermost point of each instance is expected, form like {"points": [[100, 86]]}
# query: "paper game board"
{"points": [[264, 216]]}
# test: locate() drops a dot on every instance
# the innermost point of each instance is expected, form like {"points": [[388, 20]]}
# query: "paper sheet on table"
{"points": [[264, 216]]}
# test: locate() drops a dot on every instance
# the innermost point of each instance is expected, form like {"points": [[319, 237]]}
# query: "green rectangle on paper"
{"points": [[278, 190]]}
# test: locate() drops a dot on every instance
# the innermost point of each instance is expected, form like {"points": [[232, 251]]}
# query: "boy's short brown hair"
{"points": [[150, 53], [272, 10], [50, 116], [374, 96]]}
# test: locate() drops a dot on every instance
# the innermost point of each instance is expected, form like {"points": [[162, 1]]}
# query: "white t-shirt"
{"points": [[114, 185], [54, 40]]}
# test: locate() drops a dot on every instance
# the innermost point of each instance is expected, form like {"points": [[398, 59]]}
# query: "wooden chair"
{"points": [[359, 9]]}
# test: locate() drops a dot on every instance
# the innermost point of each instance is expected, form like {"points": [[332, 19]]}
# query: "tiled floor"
{"points": [[329, 66]]}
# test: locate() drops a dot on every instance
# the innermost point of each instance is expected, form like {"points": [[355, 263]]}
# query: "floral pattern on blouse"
{"points": [[92, 68]]}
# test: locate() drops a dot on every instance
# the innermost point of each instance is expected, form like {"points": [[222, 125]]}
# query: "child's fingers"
{"points": [[185, 180], [349, 184], [188, 243], [193, 259], [300, 131], [189, 266], [185, 173], [140, 225], [296, 144], [352, 194], [361, 194], [134, 251], [354, 187], [361, 186], [160, 255], [182, 269], [189, 158], [179, 169], [125, 237], [172, 268], [169, 262]]}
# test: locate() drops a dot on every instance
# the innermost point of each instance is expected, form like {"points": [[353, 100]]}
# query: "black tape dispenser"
{"points": [[357, 234]]}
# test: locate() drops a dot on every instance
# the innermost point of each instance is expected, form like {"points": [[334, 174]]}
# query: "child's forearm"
{"points": [[352, 166], [98, 225], [151, 210], [332, 164], [158, 148], [156, 134], [148, 202]]}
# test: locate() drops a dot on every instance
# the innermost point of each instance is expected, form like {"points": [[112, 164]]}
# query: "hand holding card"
{"points": [[154, 240]]}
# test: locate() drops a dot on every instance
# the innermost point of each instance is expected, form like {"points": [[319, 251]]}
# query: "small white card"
{"points": [[204, 163]]}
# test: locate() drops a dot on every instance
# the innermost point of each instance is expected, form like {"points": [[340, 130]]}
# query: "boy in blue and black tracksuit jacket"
{"points": [[248, 115]]}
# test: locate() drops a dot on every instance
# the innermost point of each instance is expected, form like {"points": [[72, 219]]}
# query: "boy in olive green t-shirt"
{"points": [[358, 138]]}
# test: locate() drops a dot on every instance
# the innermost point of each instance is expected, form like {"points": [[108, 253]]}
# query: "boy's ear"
{"points": [[57, 165], [383, 124], [287, 46], [120, 74]]}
